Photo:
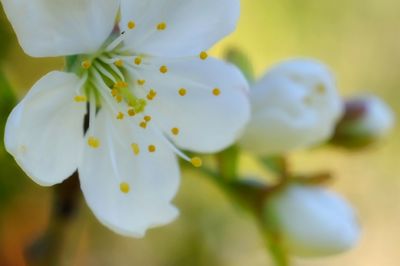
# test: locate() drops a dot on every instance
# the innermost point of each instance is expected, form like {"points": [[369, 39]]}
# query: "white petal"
{"points": [[44, 132], [314, 221], [192, 25], [207, 123], [59, 27], [153, 178]]}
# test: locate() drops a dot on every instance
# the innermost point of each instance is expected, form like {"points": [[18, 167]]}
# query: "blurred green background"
{"points": [[359, 40]]}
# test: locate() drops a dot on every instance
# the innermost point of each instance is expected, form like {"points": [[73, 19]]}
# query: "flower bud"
{"points": [[312, 221], [367, 119], [294, 105]]}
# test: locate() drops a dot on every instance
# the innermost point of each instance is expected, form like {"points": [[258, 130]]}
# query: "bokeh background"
{"points": [[359, 40]]}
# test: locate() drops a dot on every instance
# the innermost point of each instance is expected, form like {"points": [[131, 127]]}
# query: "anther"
{"points": [[93, 142], [163, 69], [80, 98], [114, 92], [118, 98], [216, 92], [143, 125], [120, 116], [162, 26], [141, 82], [124, 187], [151, 95], [135, 148], [119, 63], [175, 131], [182, 92], [147, 118], [152, 148], [196, 162], [131, 24], [131, 112], [121, 84], [203, 55], [138, 60], [86, 64]]}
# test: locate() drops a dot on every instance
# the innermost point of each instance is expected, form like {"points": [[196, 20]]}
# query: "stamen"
{"points": [[138, 60], [152, 148], [135, 148], [114, 92], [182, 92], [216, 92], [163, 69], [147, 118], [118, 98], [141, 82], [124, 187], [203, 55], [161, 26], [196, 162], [93, 142], [151, 95], [119, 63], [131, 24], [320, 88], [131, 112], [143, 125]]}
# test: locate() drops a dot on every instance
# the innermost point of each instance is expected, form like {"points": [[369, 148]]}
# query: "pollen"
{"points": [[119, 63], [120, 116], [93, 142], [175, 131], [135, 148], [80, 98], [131, 24], [163, 69], [216, 92], [196, 162], [121, 84], [161, 26], [138, 60], [131, 112], [86, 64], [147, 118], [182, 92], [141, 82], [114, 92], [124, 187], [152, 148], [118, 98], [203, 55]]}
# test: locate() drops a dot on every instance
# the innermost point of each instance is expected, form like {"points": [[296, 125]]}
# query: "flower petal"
{"points": [[191, 26], [59, 27], [128, 188], [214, 109], [44, 132]]}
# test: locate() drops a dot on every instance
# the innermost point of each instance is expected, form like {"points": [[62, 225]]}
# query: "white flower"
{"points": [[313, 221], [149, 85], [295, 105]]}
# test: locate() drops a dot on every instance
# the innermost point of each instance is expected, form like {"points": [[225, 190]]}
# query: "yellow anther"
{"points": [[121, 84], [141, 82], [321, 88], [86, 64], [131, 112], [203, 55], [152, 148], [196, 162], [114, 92], [147, 118], [124, 187], [120, 116], [162, 26], [143, 124], [119, 63], [138, 60], [216, 92], [93, 142], [118, 98], [131, 24], [175, 131], [182, 92], [163, 69], [135, 148], [151, 95], [80, 98]]}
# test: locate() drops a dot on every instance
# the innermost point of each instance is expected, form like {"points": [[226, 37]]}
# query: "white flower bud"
{"points": [[295, 105], [367, 119], [313, 221]]}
